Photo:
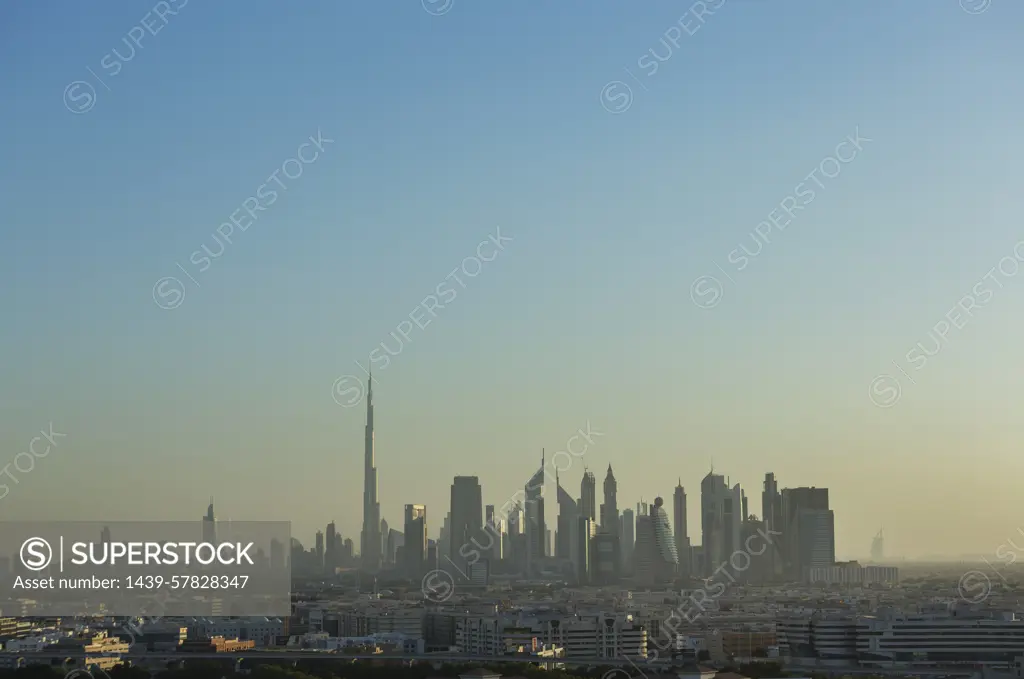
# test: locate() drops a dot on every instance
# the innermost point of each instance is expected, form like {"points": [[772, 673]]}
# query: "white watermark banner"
{"points": [[144, 568]]}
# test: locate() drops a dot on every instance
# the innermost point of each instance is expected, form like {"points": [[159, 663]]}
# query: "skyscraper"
{"points": [[370, 544], [627, 538], [515, 540], [331, 557], [606, 554], [758, 568], [794, 501], [878, 547], [444, 541], [535, 528], [496, 529], [209, 525], [667, 558], [771, 515], [415, 551], [385, 529], [467, 522], [588, 495], [654, 559], [319, 551], [680, 534], [394, 544], [610, 508], [515, 519], [817, 540], [585, 530], [721, 510], [566, 544]]}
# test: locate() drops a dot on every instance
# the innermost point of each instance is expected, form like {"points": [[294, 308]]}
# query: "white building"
{"points": [[32, 643], [404, 619], [904, 640], [262, 631], [852, 573], [322, 642], [581, 636]]}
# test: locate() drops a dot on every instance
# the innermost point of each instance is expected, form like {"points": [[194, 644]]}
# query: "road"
{"points": [[323, 655], [637, 665]]}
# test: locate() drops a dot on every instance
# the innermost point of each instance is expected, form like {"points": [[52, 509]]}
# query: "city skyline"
{"points": [[559, 217], [548, 476]]}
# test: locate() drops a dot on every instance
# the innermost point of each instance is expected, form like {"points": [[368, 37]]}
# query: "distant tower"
{"points": [[654, 558], [588, 495], [568, 522], [878, 547], [319, 551], [209, 525], [679, 521], [416, 542], [467, 521], [721, 521], [331, 557], [535, 526], [610, 508], [627, 538], [610, 517], [771, 514], [370, 543]]}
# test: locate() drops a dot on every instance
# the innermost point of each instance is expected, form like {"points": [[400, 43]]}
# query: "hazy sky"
{"points": [[448, 126]]}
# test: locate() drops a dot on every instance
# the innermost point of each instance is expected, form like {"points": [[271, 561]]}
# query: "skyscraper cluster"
{"points": [[592, 543]]}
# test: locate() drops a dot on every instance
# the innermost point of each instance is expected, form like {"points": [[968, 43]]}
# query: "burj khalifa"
{"points": [[370, 540]]}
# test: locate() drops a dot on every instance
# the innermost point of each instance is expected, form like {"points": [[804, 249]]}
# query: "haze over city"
{"points": [[432, 134]]}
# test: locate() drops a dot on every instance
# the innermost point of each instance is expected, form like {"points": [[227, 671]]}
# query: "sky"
{"points": [[623, 152]]}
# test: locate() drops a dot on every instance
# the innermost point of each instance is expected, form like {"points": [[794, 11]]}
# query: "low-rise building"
{"points": [[216, 644], [581, 636]]}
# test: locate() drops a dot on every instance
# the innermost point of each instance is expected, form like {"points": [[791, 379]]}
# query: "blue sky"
{"points": [[490, 116]]}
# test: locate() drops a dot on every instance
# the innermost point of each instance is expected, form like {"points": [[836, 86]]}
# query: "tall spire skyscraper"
{"points": [[610, 514], [679, 525], [588, 495], [610, 508], [535, 528], [370, 539]]}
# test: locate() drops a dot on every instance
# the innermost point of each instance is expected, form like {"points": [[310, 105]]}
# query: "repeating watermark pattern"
{"points": [[25, 462], [438, 586], [975, 6], [89, 672], [136, 625], [885, 390], [437, 7], [621, 673], [80, 95], [169, 292], [739, 562], [348, 390], [975, 586], [642, 656], [576, 446], [707, 291], [616, 96]]}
